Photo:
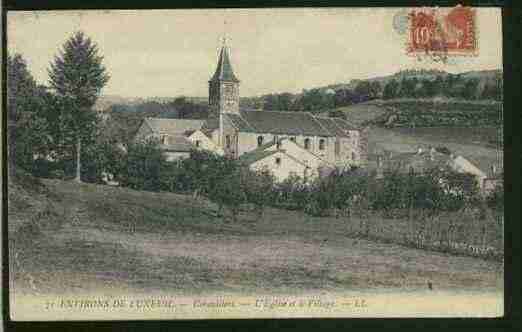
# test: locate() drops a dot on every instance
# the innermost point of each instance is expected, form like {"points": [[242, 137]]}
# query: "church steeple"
{"points": [[223, 86], [224, 70]]}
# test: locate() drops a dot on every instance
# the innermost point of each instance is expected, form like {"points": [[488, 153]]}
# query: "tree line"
{"points": [[56, 123], [406, 85]]}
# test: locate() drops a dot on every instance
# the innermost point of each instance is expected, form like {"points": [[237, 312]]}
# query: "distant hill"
{"points": [[487, 76], [104, 102]]}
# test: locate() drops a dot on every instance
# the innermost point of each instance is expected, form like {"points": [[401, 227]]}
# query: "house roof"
{"points": [[463, 164], [177, 143], [173, 126], [258, 154], [224, 70]]}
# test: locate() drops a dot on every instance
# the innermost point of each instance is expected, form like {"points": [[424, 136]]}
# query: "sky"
{"points": [[167, 53]]}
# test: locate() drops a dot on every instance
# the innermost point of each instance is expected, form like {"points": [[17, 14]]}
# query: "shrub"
{"points": [[228, 192], [203, 170], [142, 166], [258, 188], [292, 193]]}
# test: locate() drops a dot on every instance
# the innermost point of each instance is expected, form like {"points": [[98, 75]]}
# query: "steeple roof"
{"points": [[224, 70]]}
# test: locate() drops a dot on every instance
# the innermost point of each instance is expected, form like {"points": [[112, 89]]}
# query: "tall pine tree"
{"points": [[77, 75]]}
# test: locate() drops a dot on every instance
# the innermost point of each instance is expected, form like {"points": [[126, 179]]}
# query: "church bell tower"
{"points": [[223, 94]]}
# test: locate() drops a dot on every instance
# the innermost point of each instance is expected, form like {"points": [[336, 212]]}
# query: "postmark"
{"points": [[442, 33]]}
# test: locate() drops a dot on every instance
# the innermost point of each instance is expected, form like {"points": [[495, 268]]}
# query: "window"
{"points": [[337, 147], [278, 161], [259, 141], [353, 155], [322, 144], [198, 143], [227, 141], [164, 139], [307, 143]]}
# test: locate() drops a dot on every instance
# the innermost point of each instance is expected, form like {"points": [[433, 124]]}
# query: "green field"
{"points": [[66, 237], [411, 113], [477, 143]]}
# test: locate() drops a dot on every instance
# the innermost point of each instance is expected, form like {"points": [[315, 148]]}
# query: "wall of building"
{"points": [[287, 167], [223, 97], [229, 130], [205, 143], [229, 101], [173, 156], [306, 157]]}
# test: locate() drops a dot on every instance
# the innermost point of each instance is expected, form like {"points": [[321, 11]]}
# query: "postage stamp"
{"points": [[443, 32]]}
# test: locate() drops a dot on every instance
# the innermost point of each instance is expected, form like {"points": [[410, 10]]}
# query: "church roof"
{"points": [[240, 123], [224, 70], [288, 123], [173, 126], [338, 126]]}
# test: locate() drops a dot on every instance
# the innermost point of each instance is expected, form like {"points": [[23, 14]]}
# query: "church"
{"points": [[286, 143]]}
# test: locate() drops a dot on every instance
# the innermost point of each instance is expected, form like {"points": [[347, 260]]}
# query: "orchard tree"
{"points": [[229, 193], [78, 75], [258, 188]]}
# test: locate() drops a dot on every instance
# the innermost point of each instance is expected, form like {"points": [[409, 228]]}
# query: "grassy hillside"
{"points": [[67, 237], [391, 126]]}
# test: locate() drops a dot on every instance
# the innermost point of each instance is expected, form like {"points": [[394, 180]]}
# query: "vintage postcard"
{"points": [[255, 163]]}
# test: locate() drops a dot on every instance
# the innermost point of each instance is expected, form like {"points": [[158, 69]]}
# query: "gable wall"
{"points": [[284, 170], [144, 132], [205, 142], [296, 151]]}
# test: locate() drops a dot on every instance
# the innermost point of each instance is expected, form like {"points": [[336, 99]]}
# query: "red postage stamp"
{"points": [[442, 32]]}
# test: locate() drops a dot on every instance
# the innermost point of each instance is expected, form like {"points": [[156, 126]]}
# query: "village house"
{"points": [[426, 158], [285, 143]]}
